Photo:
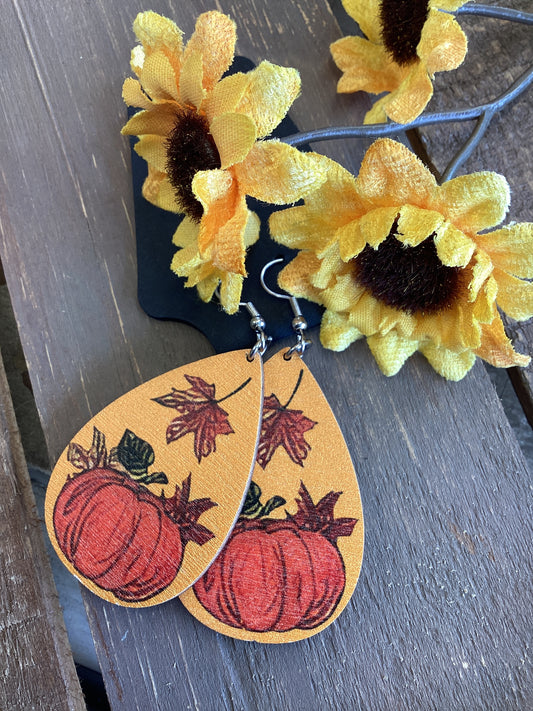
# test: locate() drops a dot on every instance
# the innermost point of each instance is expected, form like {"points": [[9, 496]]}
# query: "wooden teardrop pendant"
{"points": [[293, 559], [146, 494]]}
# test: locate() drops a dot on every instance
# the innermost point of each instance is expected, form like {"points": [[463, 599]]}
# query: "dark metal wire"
{"points": [[483, 113]]}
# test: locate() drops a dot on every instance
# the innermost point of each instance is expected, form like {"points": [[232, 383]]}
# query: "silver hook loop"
{"points": [[257, 324], [299, 324]]}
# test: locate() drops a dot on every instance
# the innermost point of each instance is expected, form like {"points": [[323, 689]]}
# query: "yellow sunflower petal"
{"points": [[137, 59], [158, 77], [133, 94], [442, 44], [157, 190], [511, 248], [454, 248], [377, 113], [251, 231], [452, 366], [415, 224], [391, 351], [156, 32], [481, 271], [186, 233], [483, 308], [411, 97], [497, 349], [343, 295], [446, 4], [366, 66], [277, 173], [230, 292], [269, 95], [336, 333], [206, 287], [159, 121], [391, 173], [515, 296], [153, 150], [372, 228], [473, 202], [366, 14], [331, 268], [226, 95], [294, 278], [214, 40], [191, 80], [234, 136], [298, 228]]}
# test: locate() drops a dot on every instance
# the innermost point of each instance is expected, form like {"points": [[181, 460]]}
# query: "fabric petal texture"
{"points": [[405, 266], [401, 54], [198, 131]]}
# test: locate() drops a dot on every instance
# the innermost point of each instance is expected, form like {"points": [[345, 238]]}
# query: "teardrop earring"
{"points": [[147, 492], [293, 559]]}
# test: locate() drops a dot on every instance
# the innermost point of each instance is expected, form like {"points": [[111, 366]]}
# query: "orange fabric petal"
{"points": [[294, 278], [497, 349], [158, 120], [515, 296], [366, 66], [443, 43], [157, 32], [277, 173], [366, 14], [390, 173], [133, 94], [234, 136], [158, 78], [157, 190], [226, 95], [511, 248], [473, 202], [214, 40], [153, 150], [411, 97], [268, 96]]}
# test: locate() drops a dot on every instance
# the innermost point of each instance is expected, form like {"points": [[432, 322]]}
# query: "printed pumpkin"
{"points": [[114, 530], [276, 575]]}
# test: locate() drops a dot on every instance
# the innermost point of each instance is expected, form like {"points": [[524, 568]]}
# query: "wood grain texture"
{"points": [[441, 617], [498, 53], [37, 666]]}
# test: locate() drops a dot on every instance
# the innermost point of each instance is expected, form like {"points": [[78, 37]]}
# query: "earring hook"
{"points": [[299, 324]]}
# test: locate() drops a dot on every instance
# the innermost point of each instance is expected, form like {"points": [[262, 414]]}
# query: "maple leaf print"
{"points": [[282, 427], [199, 412]]}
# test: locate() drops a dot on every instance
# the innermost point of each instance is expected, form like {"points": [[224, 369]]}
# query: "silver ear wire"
{"points": [[299, 324], [257, 324]]}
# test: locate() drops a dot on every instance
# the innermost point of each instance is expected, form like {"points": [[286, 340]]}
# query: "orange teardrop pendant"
{"points": [[293, 559], [146, 494]]}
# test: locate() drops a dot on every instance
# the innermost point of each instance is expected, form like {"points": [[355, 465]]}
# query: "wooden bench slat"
{"points": [[440, 617]]}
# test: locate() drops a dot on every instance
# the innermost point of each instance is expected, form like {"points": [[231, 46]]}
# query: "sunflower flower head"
{"points": [[201, 134], [410, 264], [406, 43]]}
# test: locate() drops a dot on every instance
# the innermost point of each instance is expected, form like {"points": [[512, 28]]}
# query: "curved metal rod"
{"points": [[485, 112], [499, 13]]}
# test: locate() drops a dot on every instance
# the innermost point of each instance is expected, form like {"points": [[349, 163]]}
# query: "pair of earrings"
{"points": [[196, 485]]}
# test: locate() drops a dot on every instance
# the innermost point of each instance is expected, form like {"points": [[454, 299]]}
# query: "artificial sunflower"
{"points": [[408, 41], [199, 134], [397, 258]]}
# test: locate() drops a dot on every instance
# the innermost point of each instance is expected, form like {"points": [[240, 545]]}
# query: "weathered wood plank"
{"points": [[441, 617], [499, 52], [37, 666]]}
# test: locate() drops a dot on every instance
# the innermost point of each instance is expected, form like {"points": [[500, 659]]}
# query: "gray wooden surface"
{"points": [[35, 658], [441, 617]]}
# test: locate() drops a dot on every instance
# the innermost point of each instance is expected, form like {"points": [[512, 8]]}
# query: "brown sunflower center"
{"points": [[412, 279], [402, 22], [190, 148]]}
